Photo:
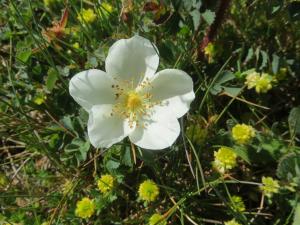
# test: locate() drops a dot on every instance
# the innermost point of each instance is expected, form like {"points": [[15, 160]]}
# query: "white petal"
{"points": [[132, 59], [91, 87], [175, 89], [160, 132], [105, 130]]}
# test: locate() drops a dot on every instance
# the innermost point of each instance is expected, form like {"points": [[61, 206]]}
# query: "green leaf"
{"points": [[241, 152], [294, 120], [24, 55], [196, 18], [234, 91], [264, 59], [223, 78], [126, 157], [275, 63], [249, 55], [79, 147], [52, 77], [289, 168], [209, 16], [112, 165], [67, 122], [297, 215]]}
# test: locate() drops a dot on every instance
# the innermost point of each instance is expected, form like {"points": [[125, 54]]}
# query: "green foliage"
{"points": [[289, 168], [294, 120], [47, 163], [297, 215]]}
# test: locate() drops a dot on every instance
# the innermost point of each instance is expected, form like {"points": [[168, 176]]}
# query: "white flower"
{"points": [[131, 99]]}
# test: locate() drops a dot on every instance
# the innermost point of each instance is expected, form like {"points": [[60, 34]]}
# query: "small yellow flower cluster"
{"points": [[76, 45], [270, 186], [225, 159], [157, 219], [106, 183], [238, 204], [262, 83], [242, 133], [232, 222], [85, 208], [148, 191], [86, 15]]}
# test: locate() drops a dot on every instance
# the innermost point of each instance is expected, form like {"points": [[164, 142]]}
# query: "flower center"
{"points": [[133, 104], [133, 101]]}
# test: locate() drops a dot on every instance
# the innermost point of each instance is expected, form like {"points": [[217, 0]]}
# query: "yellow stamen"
{"points": [[133, 101]]}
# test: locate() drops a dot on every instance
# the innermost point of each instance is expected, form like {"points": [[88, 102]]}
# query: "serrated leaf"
{"points": [[209, 16], [52, 77], [294, 120]]}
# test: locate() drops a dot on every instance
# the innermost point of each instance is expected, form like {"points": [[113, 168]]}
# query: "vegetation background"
{"points": [[47, 163]]}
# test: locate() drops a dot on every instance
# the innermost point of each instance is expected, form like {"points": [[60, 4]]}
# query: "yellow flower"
{"points": [[148, 191], [76, 45], [242, 133], [86, 15], [225, 159], [157, 219], [270, 186], [85, 208], [106, 183], [232, 222], [107, 7], [264, 83], [45, 223], [210, 51], [252, 79], [238, 204], [48, 3]]}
